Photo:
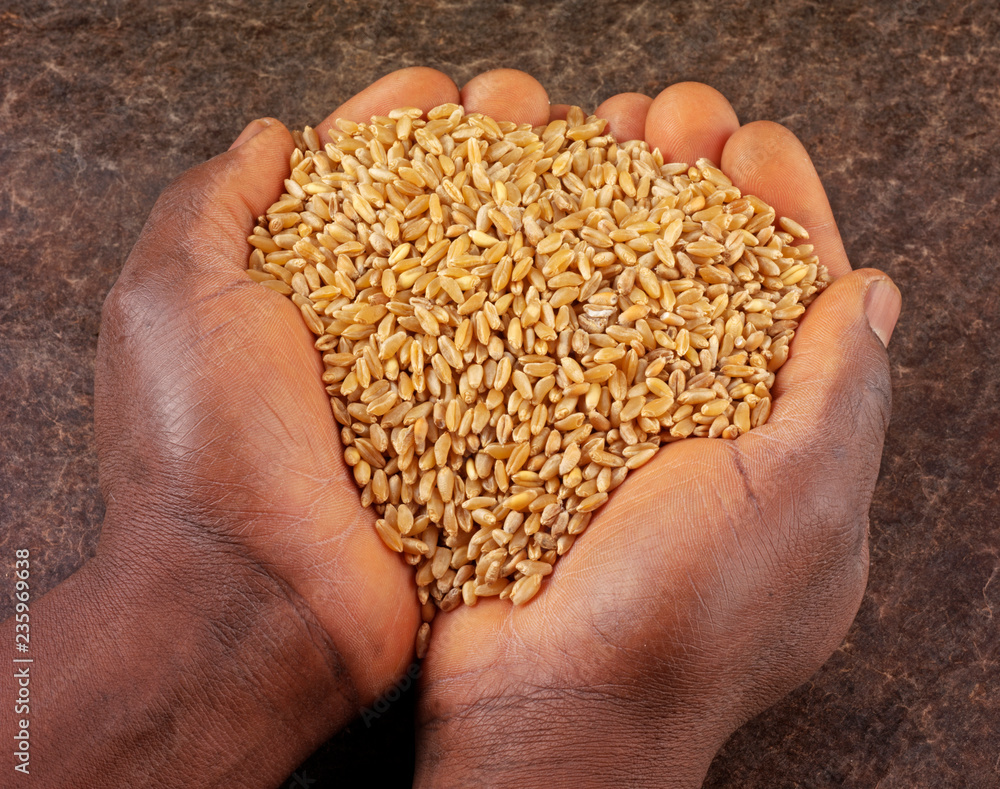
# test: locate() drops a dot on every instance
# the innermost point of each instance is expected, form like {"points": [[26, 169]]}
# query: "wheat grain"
{"points": [[512, 319]]}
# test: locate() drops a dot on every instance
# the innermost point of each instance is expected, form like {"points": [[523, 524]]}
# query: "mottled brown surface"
{"points": [[103, 103]]}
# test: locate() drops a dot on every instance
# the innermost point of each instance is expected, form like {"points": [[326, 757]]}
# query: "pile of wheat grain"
{"points": [[511, 319]]}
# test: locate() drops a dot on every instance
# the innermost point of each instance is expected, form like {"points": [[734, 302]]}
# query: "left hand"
{"points": [[228, 500]]}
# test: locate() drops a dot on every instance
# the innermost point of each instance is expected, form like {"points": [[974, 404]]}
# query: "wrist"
{"points": [[230, 606], [198, 668], [565, 737]]}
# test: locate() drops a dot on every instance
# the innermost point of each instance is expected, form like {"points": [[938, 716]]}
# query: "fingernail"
{"points": [[882, 304], [252, 130]]}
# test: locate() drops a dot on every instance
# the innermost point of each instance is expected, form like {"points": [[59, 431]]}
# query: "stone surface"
{"points": [[102, 103]]}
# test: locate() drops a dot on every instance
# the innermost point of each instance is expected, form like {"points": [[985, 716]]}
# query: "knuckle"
{"points": [[878, 387], [862, 406], [121, 308], [184, 203]]}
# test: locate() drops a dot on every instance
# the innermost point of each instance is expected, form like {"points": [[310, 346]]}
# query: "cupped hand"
{"points": [[219, 456], [721, 574]]}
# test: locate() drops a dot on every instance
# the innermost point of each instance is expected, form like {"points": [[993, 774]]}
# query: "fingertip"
{"points": [[690, 120], [507, 95], [767, 160], [626, 115], [417, 86], [266, 133], [250, 131]]}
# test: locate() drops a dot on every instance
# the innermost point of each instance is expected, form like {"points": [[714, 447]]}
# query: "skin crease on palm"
{"points": [[719, 576]]}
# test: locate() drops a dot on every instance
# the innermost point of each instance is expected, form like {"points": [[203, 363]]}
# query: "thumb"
{"points": [[832, 398], [837, 374], [197, 232], [165, 330]]}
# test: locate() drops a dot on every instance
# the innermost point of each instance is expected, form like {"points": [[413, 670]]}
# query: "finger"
{"points": [[832, 398], [626, 116], [249, 177], [688, 121], [767, 160], [421, 87], [507, 95], [251, 130]]}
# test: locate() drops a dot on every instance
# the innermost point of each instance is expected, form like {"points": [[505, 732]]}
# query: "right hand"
{"points": [[722, 573]]}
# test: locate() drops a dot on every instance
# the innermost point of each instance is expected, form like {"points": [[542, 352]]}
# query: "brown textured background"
{"points": [[103, 103]]}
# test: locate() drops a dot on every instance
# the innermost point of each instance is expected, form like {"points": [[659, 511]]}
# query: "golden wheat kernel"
{"points": [[511, 320]]}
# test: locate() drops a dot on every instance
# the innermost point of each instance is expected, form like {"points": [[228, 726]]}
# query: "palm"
{"points": [[633, 550], [279, 463], [211, 415], [660, 581]]}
